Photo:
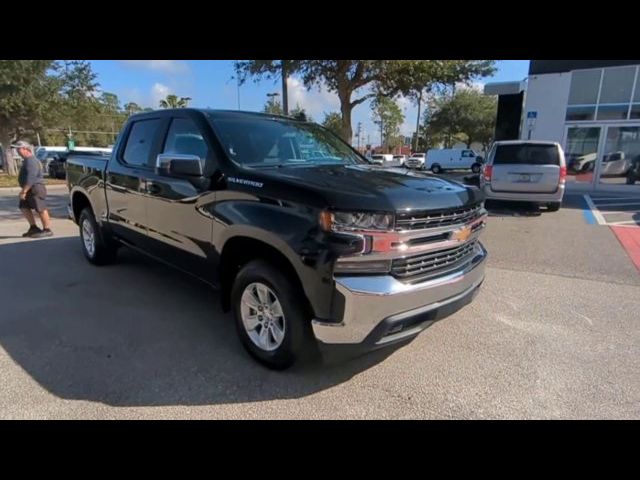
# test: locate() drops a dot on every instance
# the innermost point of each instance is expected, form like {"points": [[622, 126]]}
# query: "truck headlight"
{"points": [[356, 221]]}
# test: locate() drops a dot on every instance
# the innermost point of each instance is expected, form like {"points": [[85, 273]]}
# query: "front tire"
{"points": [[553, 206], [269, 317], [94, 247]]}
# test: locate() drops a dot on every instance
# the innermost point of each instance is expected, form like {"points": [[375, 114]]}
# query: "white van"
{"points": [[453, 158]]}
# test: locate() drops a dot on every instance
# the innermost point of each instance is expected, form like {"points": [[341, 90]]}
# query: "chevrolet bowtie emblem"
{"points": [[462, 234]]}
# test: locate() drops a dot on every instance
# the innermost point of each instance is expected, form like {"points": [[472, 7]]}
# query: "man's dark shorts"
{"points": [[35, 199]]}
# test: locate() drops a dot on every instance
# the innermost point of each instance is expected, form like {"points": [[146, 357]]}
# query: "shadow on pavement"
{"points": [[136, 333]]}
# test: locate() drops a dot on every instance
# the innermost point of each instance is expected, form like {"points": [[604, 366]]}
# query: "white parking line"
{"points": [[618, 204], [596, 213], [624, 223], [599, 215], [597, 199]]}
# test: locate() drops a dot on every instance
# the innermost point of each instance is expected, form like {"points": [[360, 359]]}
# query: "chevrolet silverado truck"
{"points": [[309, 244]]}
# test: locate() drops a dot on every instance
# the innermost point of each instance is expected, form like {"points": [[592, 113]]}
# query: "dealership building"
{"points": [[590, 107]]}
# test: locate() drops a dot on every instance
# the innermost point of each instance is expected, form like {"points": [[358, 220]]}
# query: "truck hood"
{"points": [[370, 187]]}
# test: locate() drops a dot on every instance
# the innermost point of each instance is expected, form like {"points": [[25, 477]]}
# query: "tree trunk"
{"points": [[345, 110], [10, 167], [418, 120], [285, 94]]}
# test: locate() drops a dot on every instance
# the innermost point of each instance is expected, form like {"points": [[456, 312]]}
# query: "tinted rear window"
{"points": [[526, 155]]}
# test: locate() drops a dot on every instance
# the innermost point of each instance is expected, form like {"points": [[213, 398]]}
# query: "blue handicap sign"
{"points": [[532, 114]]}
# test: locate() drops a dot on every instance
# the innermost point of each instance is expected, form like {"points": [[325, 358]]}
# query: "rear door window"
{"points": [[526, 155]]}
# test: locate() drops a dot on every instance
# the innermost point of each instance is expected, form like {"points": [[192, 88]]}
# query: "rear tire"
{"points": [[94, 247], [435, 168], [553, 206], [269, 317]]}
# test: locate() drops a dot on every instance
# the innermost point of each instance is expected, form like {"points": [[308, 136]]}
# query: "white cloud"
{"points": [[165, 66], [314, 101], [158, 92], [478, 86]]}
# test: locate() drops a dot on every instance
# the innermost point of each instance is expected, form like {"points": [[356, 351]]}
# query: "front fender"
{"points": [[294, 231]]}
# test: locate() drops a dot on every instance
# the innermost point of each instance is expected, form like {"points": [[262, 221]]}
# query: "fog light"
{"points": [[371, 266]]}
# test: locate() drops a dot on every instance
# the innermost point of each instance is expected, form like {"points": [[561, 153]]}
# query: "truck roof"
{"points": [[215, 113]]}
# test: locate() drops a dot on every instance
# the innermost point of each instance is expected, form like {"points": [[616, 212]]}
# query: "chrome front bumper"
{"points": [[371, 300]]}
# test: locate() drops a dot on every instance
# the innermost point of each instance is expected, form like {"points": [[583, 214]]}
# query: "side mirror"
{"points": [[180, 164]]}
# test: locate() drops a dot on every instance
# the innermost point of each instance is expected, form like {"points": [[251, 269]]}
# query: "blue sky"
{"points": [[209, 84]]}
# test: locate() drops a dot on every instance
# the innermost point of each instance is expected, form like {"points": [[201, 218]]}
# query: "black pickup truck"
{"points": [[309, 243]]}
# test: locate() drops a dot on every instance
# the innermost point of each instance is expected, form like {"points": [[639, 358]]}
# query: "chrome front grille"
{"points": [[422, 266], [421, 220]]}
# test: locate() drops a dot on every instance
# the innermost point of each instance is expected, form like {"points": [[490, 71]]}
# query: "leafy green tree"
{"points": [[300, 114], [467, 116], [388, 116], [333, 121], [132, 108], [273, 107], [364, 79], [173, 101], [419, 78], [36, 94]]}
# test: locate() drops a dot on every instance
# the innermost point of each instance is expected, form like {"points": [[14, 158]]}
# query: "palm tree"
{"points": [[172, 101]]}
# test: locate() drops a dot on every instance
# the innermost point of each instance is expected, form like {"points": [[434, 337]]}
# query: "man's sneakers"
{"points": [[33, 229], [42, 233]]}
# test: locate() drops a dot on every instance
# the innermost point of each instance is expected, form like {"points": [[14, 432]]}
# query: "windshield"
{"points": [[267, 142]]}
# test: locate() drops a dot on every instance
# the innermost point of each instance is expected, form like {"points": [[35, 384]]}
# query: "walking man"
{"points": [[33, 192]]}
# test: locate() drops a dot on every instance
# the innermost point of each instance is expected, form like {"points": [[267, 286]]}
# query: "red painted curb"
{"points": [[629, 238]]}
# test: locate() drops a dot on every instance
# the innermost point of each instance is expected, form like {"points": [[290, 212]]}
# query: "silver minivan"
{"points": [[525, 170]]}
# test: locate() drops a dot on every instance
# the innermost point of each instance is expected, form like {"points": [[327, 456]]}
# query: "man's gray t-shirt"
{"points": [[30, 172]]}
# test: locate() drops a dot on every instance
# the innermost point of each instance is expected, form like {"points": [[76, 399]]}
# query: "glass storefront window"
{"points": [[581, 150], [617, 84], [584, 87], [611, 90], [613, 112], [621, 151], [581, 113]]}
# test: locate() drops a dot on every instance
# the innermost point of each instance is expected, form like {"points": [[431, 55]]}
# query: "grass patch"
{"points": [[7, 181]]}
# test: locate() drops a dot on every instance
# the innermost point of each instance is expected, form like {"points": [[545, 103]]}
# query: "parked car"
{"points": [[416, 160], [633, 174], [452, 159], [400, 159], [57, 165], [381, 158], [527, 171], [47, 153], [615, 164], [582, 163], [329, 247]]}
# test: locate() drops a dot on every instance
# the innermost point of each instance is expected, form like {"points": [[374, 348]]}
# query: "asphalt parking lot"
{"points": [[554, 333]]}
